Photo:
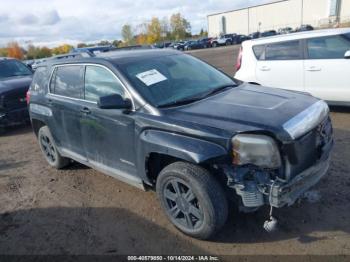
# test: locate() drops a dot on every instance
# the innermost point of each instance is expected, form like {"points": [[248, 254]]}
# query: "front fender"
{"points": [[189, 149]]}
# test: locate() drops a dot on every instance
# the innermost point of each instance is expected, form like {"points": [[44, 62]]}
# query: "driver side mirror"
{"points": [[114, 101], [347, 54]]}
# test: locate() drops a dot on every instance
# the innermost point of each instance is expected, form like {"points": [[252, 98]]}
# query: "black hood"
{"points": [[12, 83], [246, 108]]}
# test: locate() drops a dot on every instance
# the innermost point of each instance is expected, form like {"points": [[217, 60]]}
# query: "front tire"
{"points": [[192, 199], [49, 149]]}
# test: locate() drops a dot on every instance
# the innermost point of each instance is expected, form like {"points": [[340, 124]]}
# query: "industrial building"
{"points": [[280, 14]]}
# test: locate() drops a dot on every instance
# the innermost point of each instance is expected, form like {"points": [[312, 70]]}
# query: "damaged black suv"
{"points": [[165, 120]]}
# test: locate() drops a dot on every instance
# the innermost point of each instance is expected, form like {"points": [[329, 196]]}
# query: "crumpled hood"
{"points": [[11, 83], [246, 108]]}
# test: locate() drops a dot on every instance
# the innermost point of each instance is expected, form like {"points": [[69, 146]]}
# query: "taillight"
{"points": [[28, 97], [239, 59]]}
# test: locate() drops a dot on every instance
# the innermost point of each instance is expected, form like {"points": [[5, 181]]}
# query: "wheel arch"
{"points": [[160, 149]]}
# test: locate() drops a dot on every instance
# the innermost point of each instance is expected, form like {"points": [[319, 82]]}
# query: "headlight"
{"points": [[257, 150]]}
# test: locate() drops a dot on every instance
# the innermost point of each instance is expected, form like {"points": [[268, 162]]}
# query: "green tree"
{"points": [[180, 27], [3, 52], [127, 34]]}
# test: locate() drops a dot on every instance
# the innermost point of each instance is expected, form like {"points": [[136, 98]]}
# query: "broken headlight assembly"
{"points": [[258, 150]]}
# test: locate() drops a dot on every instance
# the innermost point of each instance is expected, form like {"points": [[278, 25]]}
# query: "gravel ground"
{"points": [[81, 211]]}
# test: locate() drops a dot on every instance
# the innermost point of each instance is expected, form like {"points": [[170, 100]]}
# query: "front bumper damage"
{"points": [[257, 188]]}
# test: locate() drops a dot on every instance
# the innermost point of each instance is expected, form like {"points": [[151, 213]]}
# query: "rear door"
{"points": [[108, 134], [65, 98], [280, 65], [326, 70]]}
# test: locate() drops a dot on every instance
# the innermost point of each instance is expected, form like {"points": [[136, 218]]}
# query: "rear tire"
{"points": [[49, 149], [192, 199]]}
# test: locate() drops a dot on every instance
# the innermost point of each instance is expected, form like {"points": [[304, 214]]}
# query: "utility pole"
{"points": [[302, 13]]}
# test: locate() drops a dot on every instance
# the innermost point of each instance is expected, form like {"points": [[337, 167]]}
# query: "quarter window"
{"points": [[100, 82], [330, 47], [259, 51], [283, 51], [68, 81]]}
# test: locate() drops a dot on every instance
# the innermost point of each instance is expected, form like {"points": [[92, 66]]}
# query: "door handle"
{"points": [[265, 68], [85, 110], [313, 68]]}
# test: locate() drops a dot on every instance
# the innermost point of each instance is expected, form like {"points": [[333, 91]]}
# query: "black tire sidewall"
{"points": [[210, 224], [59, 160]]}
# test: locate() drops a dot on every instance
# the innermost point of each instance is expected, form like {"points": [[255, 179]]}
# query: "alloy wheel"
{"points": [[182, 204]]}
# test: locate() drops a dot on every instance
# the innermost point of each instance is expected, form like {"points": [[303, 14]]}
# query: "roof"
{"points": [[300, 35], [249, 6], [115, 56]]}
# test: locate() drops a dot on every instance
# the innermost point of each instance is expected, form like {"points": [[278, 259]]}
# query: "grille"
{"points": [[310, 148], [14, 99]]}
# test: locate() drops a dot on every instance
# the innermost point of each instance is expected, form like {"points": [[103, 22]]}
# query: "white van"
{"points": [[317, 62]]}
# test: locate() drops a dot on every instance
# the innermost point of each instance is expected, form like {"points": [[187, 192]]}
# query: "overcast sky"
{"points": [[52, 22]]}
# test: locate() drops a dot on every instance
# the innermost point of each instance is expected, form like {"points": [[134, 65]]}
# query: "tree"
{"points": [[127, 34], [203, 33], [154, 31], [62, 49], [14, 50], [180, 27], [117, 43], [80, 45], [3, 52]]}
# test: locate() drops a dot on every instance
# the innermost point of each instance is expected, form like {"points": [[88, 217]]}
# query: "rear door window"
{"points": [[68, 81], [289, 50], [329, 47]]}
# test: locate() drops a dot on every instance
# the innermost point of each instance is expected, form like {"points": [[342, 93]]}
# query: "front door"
{"points": [[108, 134], [326, 69]]}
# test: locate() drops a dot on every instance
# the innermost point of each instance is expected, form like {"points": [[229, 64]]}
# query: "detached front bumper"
{"points": [[277, 192], [282, 194]]}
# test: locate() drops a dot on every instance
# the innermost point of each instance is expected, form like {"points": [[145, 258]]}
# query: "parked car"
{"points": [[15, 78], [226, 39], [316, 62], [268, 33], [206, 42], [303, 28], [94, 49], [285, 30], [254, 35], [179, 45], [146, 117], [239, 39], [189, 45]]}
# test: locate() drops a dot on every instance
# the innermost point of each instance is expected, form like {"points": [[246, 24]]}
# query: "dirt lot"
{"points": [[81, 211]]}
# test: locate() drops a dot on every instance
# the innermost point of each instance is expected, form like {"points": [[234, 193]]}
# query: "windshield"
{"points": [[9, 68], [167, 79]]}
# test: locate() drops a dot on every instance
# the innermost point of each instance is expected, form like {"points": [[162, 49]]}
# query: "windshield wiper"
{"points": [[197, 97], [179, 102], [215, 91]]}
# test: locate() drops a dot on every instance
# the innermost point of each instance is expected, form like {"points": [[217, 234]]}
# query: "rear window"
{"points": [[68, 81], [329, 47], [283, 51], [38, 82]]}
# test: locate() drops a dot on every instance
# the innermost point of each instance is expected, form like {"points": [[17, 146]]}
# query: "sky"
{"points": [[53, 22]]}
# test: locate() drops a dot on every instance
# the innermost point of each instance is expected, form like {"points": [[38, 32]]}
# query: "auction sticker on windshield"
{"points": [[151, 77]]}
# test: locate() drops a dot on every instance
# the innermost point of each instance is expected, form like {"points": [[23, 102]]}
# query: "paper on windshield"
{"points": [[151, 77]]}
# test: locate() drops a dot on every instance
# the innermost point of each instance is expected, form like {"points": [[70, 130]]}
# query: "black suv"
{"points": [[15, 78], [165, 120]]}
